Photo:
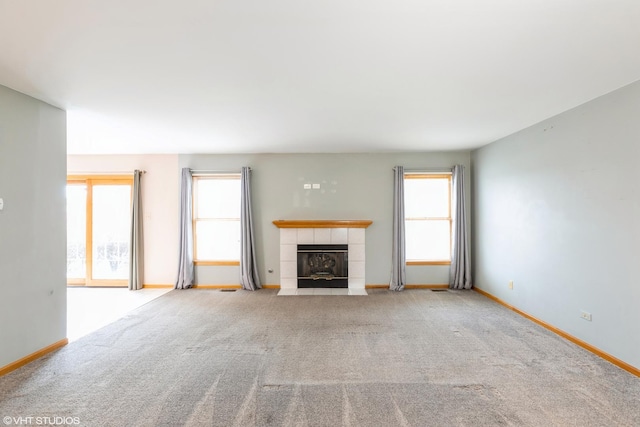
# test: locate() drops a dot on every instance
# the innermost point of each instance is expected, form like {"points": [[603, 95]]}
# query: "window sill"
{"points": [[216, 262], [428, 263]]}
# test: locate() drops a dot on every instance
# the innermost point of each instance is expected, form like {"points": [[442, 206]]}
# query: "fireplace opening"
{"points": [[323, 266]]}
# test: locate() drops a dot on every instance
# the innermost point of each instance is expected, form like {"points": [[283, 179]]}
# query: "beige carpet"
{"points": [[415, 358], [89, 309]]}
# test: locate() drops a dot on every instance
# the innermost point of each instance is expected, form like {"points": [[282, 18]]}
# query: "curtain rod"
{"points": [[211, 172], [103, 173], [428, 170]]}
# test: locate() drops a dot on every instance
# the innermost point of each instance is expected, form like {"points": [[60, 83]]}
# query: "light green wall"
{"points": [[557, 210], [353, 186], [32, 225]]}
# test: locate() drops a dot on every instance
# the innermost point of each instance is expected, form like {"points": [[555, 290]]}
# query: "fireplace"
{"points": [[323, 266], [347, 235]]}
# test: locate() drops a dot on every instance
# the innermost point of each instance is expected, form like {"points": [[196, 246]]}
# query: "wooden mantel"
{"points": [[322, 223]]}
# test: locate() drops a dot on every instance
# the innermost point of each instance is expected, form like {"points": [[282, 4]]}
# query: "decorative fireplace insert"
{"points": [[323, 266]]}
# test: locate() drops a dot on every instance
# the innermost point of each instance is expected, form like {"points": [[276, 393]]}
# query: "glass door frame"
{"points": [[89, 181]]}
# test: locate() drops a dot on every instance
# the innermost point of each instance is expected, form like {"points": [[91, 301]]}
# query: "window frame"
{"points": [[195, 219], [439, 175], [90, 181]]}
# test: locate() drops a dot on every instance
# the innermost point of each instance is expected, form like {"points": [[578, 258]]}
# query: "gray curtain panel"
{"points": [[460, 272], [185, 266], [249, 278], [398, 256], [136, 242]]}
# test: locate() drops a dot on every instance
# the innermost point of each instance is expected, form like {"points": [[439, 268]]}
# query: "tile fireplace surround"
{"points": [[323, 232]]}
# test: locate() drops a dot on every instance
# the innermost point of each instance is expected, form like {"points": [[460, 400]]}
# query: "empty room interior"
{"points": [[333, 213]]}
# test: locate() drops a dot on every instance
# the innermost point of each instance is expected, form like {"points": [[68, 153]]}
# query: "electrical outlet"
{"points": [[511, 284], [585, 315]]}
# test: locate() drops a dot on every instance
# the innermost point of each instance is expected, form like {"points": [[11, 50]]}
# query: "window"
{"points": [[427, 209], [216, 219], [98, 230]]}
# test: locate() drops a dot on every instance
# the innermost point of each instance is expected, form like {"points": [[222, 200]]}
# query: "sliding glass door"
{"points": [[98, 227], [76, 233]]}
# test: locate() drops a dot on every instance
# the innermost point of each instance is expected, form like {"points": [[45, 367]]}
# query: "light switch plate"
{"points": [[1, 204]]}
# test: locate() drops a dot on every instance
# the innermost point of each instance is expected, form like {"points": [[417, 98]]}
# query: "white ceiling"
{"points": [[223, 76]]}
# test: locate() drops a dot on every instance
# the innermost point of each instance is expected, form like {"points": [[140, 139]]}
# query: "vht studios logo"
{"points": [[41, 421]]}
